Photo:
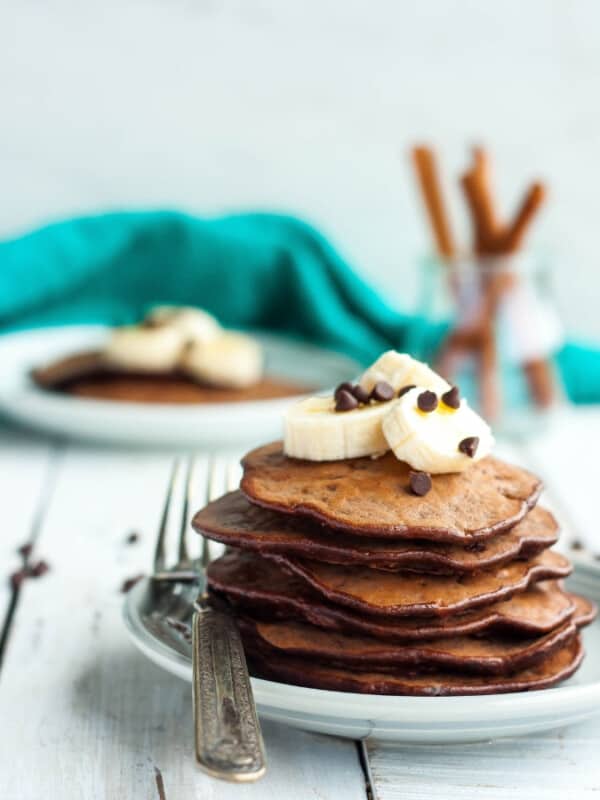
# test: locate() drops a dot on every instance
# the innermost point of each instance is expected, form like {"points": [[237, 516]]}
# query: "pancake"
{"points": [[559, 666], [57, 374], [234, 521], [370, 497], [585, 610], [415, 594], [84, 375], [487, 655], [259, 587]]}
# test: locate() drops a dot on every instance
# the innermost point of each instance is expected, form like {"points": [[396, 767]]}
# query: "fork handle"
{"points": [[229, 742]]}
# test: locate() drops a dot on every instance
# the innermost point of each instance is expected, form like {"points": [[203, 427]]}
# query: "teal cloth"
{"points": [[253, 271]]}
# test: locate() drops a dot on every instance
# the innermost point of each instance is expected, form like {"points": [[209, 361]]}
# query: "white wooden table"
{"points": [[84, 715]]}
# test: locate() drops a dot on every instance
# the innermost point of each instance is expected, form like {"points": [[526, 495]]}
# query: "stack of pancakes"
{"points": [[342, 578]]}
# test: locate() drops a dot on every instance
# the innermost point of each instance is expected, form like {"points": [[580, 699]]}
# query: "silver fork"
{"points": [[228, 740]]}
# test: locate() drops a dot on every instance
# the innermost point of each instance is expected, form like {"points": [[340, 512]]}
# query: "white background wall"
{"points": [[305, 106]]}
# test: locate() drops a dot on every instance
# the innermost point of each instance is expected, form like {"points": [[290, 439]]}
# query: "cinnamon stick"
{"points": [[476, 184], [429, 180], [530, 205], [538, 372], [491, 225], [489, 391], [540, 381], [478, 207]]}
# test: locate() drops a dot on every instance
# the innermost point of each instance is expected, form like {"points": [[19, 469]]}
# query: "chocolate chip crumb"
{"points": [[132, 537], [129, 583], [360, 393], [17, 578], [345, 401], [25, 549], [382, 392], [28, 571], [38, 569], [475, 547], [406, 389], [180, 627], [577, 544], [469, 446], [420, 483], [451, 398], [427, 401], [343, 387]]}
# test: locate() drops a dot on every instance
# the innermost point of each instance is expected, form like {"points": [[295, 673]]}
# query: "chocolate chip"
{"points": [[132, 537], [451, 398], [469, 446], [129, 583], [420, 482], [360, 393], [427, 401], [382, 392], [25, 549], [577, 544], [406, 389], [343, 387], [345, 401], [39, 569]]}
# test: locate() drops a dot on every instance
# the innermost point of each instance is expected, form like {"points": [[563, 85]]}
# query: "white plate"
{"points": [[214, 424], [410, 719]]}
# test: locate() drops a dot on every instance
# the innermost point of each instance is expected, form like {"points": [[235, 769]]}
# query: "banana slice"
{"points": [[429, 441], [195, 325], [140, 349], [399, 370], [314, 430], [230, 360]]}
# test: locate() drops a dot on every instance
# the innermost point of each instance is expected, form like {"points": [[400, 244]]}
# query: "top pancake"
{"points": [[369, 497], [234, 521]]}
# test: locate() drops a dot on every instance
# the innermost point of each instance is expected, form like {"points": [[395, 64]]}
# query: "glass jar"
{"points": [[504, 333]]}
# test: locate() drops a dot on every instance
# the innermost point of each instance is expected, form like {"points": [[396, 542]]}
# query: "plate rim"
{"points": [[216, 425]]}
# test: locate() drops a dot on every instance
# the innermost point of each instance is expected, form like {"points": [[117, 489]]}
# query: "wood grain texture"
{"points": [[84, 714], [551, 766], [27, 467]]}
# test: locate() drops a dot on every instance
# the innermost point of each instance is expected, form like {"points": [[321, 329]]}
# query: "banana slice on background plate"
{"points": [[442, 440], [143, 349], [230, 360], [187, 339], [315, 431], [400, 370], [193, 323]]}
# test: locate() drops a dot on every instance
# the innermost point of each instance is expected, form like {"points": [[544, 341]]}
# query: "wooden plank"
{"points": [[84, 714], [551, 766], [26, 470]]}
